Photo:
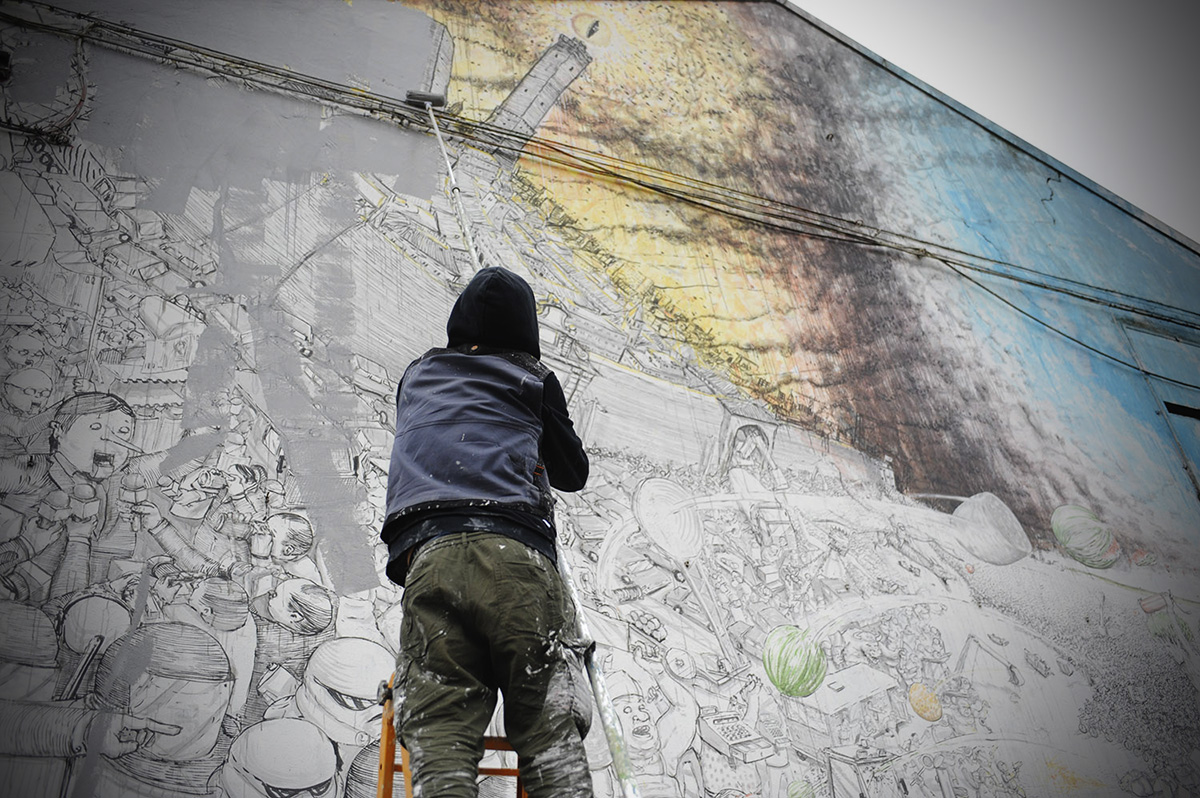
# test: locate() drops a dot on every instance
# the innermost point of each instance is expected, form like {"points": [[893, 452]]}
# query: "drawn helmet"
{"points": [[174, 673], [281, 758], [339, 689], [362, 777], [91, 616], [28, 657]]}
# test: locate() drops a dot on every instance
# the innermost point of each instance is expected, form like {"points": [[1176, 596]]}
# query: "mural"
{"points": [[856, 526]]}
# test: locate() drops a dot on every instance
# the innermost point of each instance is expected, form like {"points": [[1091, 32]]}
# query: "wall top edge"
{"points": [[991, 127]]}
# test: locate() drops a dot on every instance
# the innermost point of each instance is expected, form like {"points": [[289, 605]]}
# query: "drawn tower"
{"points": [[525, 108], [437, 69]]}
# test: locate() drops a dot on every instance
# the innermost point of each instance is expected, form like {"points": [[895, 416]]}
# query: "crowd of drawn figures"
{"points": [[168, 628], [170, 624]]}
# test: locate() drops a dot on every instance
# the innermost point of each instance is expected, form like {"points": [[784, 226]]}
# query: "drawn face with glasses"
{"points": [[25, 349], [28, 391]]}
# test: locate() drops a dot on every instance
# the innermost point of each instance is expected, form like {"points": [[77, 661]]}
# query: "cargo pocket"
{"points": [[576, 651]]}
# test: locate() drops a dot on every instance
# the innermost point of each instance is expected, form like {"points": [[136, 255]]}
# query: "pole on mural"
{"points": [[429, 101], [608, 713]]}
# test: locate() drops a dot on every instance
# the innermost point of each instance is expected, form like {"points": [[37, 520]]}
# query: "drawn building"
{"points": [[524, 109]]}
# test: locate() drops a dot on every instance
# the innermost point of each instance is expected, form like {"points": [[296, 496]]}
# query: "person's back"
{"points": [[482, 433]]}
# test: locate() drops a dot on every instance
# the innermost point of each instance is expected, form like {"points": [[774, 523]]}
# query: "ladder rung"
{"points": [[389, 745], [489, 744]]}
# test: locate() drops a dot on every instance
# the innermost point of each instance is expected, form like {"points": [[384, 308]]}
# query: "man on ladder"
{"points": [[482, 433]]}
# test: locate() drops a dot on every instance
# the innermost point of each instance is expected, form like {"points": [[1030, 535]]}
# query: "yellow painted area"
{"points": [[1067, 779], [674, 87], [925, 702]]}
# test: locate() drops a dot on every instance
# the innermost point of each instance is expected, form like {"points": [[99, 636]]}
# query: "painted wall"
{"points": [[893, 422]]}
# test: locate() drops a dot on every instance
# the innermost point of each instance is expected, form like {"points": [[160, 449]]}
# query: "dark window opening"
{"points": [[1182, 410]]}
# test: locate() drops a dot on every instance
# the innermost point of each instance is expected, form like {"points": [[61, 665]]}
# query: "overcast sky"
{"points": [[1109, 88]]}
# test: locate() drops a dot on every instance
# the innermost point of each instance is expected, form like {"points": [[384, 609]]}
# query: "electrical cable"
{"points": [[835, 228], [174, 52], [958, 265], [1067, 335], [78, 60], [756, 209], [713, 197]]}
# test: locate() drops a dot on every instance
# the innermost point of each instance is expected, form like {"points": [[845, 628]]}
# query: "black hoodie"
{"points": [[496, 309], [482, 430]]}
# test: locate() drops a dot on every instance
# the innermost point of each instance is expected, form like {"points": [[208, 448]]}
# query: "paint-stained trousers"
{"points": [[482, 613]]}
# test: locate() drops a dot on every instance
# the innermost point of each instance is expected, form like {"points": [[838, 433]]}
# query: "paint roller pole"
{"points": [[428, 101], [608, 713]]}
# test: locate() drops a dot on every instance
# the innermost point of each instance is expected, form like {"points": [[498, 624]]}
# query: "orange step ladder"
{"points": [[387, 752]]}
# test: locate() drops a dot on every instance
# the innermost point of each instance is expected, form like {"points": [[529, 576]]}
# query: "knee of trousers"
{"points": [[563, 713], [560, 771]]}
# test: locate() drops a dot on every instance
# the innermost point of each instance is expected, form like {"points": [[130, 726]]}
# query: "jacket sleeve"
{"points": [[561, 450]]}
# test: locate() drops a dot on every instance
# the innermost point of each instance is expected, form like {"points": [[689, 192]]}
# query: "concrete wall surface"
{"points": [[894, 423]]}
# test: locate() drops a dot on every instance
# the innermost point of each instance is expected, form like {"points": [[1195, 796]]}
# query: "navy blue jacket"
{"points": [[482, 429]]}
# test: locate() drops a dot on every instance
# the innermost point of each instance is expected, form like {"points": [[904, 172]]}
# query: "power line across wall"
{"points": [[745, 206]]}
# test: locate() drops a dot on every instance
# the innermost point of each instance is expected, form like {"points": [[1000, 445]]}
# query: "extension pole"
{"points": [[608, 713], [454, 190]]}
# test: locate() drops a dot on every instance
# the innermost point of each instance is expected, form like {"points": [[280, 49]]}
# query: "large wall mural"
{"points": [[892, 421]]}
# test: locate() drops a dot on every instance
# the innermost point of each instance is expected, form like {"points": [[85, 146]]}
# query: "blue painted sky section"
{"points": [[1178, 361], [952, 182], [1033, 213]]}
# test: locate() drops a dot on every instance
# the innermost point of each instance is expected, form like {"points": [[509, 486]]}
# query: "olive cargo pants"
{"points": [[483, 612]]}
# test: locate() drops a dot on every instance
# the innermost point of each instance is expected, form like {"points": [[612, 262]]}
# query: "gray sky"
{"points": [[1109, 88]]}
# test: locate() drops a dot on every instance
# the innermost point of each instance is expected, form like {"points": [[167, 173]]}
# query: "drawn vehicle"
{"points": [[855, 703], [861, 772]]}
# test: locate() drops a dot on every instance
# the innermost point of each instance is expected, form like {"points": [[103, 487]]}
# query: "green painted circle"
{"points": [[794, 663]]}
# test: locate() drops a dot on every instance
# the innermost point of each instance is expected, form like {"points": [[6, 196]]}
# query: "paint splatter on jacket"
{"points": [[482, 429]]}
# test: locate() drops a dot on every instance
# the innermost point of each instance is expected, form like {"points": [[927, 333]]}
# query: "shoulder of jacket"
{"points": [[523, 360], [530, 363]]}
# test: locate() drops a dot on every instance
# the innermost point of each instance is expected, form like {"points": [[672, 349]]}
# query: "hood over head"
{"points": [[496, 309]]}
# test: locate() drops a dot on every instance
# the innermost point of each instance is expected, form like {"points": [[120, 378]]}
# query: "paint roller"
{"points": [[429, 101]]}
